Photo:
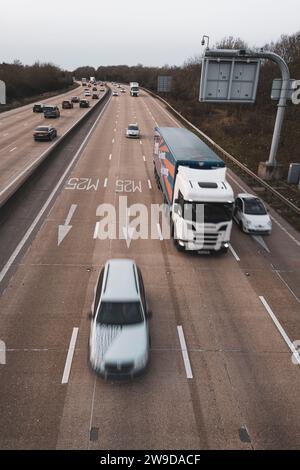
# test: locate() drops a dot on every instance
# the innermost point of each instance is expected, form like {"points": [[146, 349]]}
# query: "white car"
{"points": [[251, 214], [133, 131], [119, 336], [115, 93], [87, 93]]}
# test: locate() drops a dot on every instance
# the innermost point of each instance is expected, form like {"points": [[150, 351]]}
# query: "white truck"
{"points": [[134, 89], [83, 82], [193, 180]]}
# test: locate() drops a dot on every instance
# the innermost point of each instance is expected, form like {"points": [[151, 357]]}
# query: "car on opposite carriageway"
{"points": [[84, 104], [45, 133]]}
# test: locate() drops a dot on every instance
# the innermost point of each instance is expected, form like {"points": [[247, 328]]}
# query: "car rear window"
{"points": [[133, 128], [120, 313]]}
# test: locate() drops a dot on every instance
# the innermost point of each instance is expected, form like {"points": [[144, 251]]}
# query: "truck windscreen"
{"points": [[214, 212]]}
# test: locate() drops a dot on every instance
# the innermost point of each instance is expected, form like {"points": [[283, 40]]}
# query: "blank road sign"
{"points": [[164, 84], [2, 92], [229, 80]]}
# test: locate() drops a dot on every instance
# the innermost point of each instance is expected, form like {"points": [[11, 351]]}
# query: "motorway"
{"points": [[234, 387], [17, 148]]}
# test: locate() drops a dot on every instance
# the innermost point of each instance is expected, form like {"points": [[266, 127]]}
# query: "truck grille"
{"points": [[208, 239]]}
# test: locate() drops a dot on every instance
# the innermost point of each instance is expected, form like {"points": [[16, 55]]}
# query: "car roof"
{"points": [[121, 283]]}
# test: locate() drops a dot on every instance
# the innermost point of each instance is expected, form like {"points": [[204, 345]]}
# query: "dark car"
{"points": [[51, 111], [38, 108], [45, 133], [95, 96], [94, 88], [84, 104], [75, 99], [67, 104]]}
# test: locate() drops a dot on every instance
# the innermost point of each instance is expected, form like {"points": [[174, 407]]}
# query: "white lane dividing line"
{"points": [[96, 231], [13, 149], [141, 142], [280, 329], [234, 253], [159, 232], [115, 130], [144, 158], [149, 184], [67, 370], [105, 182], [17, 250], [6, 134], [113, 141], [184, 351], [110, 155]]}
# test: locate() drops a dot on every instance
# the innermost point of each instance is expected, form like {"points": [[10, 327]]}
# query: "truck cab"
{"points": [[134, 89], [201, 210]]}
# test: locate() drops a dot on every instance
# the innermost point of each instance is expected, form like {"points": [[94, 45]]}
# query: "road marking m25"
{"points": [[82, 184]]}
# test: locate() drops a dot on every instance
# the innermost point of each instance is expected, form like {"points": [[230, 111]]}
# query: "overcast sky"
{"points": [[71, 33]]}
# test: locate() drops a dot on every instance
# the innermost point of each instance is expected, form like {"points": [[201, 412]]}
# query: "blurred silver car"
{"points": [[119, 336]]}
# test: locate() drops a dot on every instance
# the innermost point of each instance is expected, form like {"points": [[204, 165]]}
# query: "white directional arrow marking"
{"points": [[128, 234], [64, 229], [262, 242], [127, 230]]}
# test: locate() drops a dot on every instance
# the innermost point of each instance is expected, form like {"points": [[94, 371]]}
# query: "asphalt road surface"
{"points": [[236, 388]]}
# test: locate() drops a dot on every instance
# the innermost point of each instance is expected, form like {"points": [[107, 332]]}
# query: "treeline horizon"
{"points": [[25, 81]]}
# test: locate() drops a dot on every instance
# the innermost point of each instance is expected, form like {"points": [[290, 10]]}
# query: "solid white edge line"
{"points": [[234, 253], [159, 232], [70, 354], [280, 329], [19, 247], [184, 351]]}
